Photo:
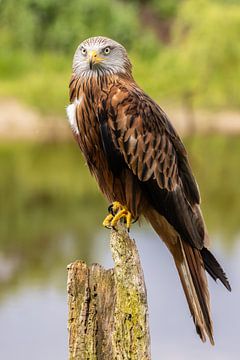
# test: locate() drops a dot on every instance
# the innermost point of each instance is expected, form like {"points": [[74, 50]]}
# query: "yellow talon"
{"points": [[118, 216], [107, 221], [117, 212], [128, 220]]}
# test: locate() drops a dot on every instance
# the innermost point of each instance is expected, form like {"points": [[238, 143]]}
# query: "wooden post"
{"points": [[108, 314]]}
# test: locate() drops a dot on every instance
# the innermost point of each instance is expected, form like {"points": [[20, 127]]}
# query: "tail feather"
{"points": [[194, 282], [214, 268], [190, 266]]}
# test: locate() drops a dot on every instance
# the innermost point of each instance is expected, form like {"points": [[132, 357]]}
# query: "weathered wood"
{"points": [[108, 314]]}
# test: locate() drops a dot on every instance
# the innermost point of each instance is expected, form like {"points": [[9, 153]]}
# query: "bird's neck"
{"points": [[95, 84]]}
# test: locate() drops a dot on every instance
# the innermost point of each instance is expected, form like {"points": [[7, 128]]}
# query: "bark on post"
{"points": [[108, 314]]}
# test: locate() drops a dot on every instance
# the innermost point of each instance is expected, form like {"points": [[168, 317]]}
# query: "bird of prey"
{"points": [[141, 165]]}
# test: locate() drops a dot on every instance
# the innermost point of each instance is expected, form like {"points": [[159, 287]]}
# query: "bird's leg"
{"points": [[117, 211]]}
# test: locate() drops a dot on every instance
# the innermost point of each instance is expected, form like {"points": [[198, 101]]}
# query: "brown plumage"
{"points": [[139, 160]]}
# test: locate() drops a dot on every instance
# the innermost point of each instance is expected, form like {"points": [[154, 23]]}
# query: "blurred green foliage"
{"points": [[203, 61], [198, 67], [165, 9], [40, 80], [61, 25]]}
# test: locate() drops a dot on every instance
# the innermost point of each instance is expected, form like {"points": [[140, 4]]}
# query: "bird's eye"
{"points": [[107, 50], [83, 51]]}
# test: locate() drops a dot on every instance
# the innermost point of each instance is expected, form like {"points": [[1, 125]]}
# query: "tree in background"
{"points": [[59, 25], [201, 65]]}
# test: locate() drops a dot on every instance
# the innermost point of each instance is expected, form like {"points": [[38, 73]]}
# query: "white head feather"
{"points": [[113, 61]]}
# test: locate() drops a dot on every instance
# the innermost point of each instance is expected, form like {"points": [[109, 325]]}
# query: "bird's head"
{"points": [[100, 56]]}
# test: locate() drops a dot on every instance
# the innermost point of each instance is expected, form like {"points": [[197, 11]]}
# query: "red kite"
{"points": [[141, 165]]}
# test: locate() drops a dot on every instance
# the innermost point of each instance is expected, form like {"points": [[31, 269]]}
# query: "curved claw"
{"points": [[110, 209], [107, 221], [118, 212], [135, 220]]}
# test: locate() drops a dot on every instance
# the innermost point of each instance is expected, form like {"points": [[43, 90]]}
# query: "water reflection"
{"points": [[51, 213], [33, 325], [45, 220]]}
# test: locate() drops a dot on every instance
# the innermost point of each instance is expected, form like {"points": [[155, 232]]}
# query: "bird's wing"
{"points": [[136, 132], [135, 126]]}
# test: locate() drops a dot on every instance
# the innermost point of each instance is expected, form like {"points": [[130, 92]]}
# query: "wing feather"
{"points": [[150, 147]]}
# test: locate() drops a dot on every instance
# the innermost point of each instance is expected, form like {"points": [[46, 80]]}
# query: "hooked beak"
{"points": [[93, 58]]}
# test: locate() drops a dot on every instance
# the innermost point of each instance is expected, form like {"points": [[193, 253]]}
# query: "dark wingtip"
{"points": [[214, 268], [226, 283]]}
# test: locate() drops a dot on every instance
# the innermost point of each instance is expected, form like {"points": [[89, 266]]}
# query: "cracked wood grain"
{"points": [[108, 313]]}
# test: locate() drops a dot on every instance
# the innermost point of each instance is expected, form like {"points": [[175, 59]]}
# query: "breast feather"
{"points": [[71, 114]]}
